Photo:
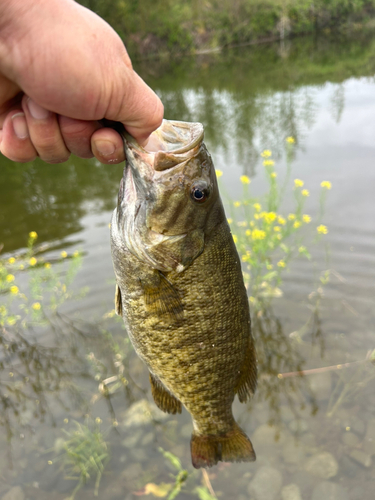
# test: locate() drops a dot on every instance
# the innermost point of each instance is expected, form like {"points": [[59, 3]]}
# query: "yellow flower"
{"points": [[266, 153], [63, 254], [281, 220], [219, 173], [278, 236], [248, 232], [36, 306], [297, 224], [302, 249], [245, 179], [235, 239], [66, 420], [281, 263], [14, 289], [98, 420], [291, 216], [32, 261], [326, 184], [47, 265], [76, 254], [21, 267], [10, 278], [290, 140], [273, 175], [11, 321], [258, 234], [237, 204], [269, 267], [11, 260], [298, 183], [305, 192], [322, 229], [268, 163], [229, 220], [306, 218], [270, 217], [257, 207], [252, 223], [277, 229], [33, 235], [256, 216]]}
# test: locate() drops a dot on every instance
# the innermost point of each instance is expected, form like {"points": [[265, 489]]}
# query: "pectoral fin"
{"points": [[118, 301], [163, 398], [248, 377], [161, 297]]}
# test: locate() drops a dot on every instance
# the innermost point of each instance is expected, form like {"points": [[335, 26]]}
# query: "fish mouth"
{"points": [[174, 142]]}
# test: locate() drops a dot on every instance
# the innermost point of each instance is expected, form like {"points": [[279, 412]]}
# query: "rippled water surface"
{"points": [[314, 433]]}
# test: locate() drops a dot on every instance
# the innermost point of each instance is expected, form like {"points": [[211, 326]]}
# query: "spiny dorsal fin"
{"points": [[118, 301], [163, 398], [162, 298]]}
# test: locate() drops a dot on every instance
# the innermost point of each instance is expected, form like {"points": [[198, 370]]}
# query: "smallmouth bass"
{"points": [[180, 289]]}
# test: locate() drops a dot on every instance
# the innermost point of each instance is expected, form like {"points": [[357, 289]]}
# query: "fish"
{"points": [[180, 289]]}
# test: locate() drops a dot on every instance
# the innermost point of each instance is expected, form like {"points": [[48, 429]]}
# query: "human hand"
{"points": [[62, 69]]}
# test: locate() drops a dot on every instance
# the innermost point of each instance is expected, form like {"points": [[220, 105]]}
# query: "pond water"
{"points": [[313, 432]]}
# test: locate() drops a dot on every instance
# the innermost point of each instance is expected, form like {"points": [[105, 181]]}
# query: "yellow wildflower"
{"points": [[291, 216], [252, 223], [257, 207], [64, 254], [273, 175], [270, 217], [76, 254], [266, 153], [305, 192], [11, 321], [11, 260], [14, 289], [235, 239], [306, 218], [47, 265], [256, 216], [219, 173], [269, 267], [322, 229], [281, 263], [229, 220], [277, 229], [98, 420], [245, 179], [36, 306], [66, 420], [32, 261], [290, 140], [248, 232], [298, 183], [21, 267], [33, 235], [268, 163], [10, 278], [326, 184], [251, 299], [281, 220], [237, 204], [297, 224], [302, 249], [258, 234], [278, 236]]}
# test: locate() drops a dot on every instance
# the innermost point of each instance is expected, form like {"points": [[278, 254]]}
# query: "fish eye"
{"points": [[200, 192]]}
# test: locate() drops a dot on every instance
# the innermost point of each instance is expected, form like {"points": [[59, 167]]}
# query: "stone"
{"points": [[321, 385], [350, 439], [329, 491], [266, 484], [298, 425], [15, 493], [361, 457], [131, 440], [291, 492], [293, 452], [147, 439], [265, 435], [142, 413], [323, 465]]}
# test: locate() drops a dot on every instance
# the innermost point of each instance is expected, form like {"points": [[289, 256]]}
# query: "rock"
{"points": [[15, 493], [322, 465], [350, 439], [142, 413], [321, 385], [329, 491], [147, 439], [293, 452], [298, 425], [266, 483], [291, 492], [361, 457], [265, 435], [131, 440]]}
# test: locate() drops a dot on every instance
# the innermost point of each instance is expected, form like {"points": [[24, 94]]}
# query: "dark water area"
{"points": [[314, 434]]}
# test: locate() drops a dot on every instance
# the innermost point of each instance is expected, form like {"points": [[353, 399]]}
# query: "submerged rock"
{"points": [[142, 413], [291, 492], [323, 465], [15, 493], [266, 484], [361, 457], [329, 491]]}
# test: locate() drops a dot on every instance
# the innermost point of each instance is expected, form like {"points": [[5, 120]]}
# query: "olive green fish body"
{"points": [[188, 318]]}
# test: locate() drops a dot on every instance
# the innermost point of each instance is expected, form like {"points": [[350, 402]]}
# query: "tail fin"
{"points": [[234, 446]]}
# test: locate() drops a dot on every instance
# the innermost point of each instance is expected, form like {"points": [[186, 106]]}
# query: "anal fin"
{"points": [[163, 398], [118, 301], [247, 383]]}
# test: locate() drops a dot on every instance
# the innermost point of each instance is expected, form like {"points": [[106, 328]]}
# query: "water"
{"points": [[322, 93]]}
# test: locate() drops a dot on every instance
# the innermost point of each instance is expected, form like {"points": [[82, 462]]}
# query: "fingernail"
{"points": [[20, 125], [37, 111], [105, 148]]}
